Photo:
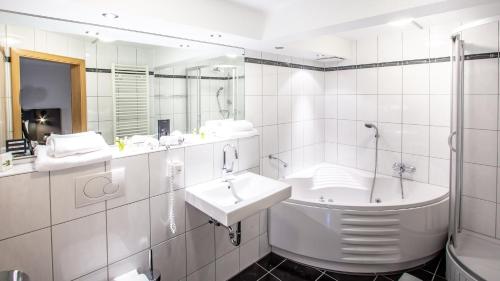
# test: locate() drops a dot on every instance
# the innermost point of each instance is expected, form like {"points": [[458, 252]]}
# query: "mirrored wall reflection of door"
{"points": [[48, 94]]}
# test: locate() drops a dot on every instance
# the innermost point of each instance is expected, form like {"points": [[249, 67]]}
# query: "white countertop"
{"points": [[26, 165]]}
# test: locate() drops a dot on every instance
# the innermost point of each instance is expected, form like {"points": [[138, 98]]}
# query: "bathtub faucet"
{"points": [[401, 168]]}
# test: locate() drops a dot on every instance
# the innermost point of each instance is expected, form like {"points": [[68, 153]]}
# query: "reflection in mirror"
{"points": [[132, 81]]}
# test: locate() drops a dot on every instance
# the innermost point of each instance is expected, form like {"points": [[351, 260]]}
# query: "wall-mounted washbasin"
{"points": [[230, 200]]}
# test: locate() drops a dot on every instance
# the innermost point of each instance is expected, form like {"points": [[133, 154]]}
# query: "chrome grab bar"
{"points": [[272, 157], [450, 141]]}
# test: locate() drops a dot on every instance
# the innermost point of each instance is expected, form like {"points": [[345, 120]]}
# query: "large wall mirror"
{"points": [[65, 77]]}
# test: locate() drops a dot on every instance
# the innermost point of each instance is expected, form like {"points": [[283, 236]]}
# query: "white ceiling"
{"points": [[302, 26]]}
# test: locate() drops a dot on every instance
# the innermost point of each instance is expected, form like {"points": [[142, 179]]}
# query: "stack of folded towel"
{"points": [[72, 150], [231, 128]]}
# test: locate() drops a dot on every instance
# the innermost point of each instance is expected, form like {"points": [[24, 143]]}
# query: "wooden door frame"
{"points": [[78, 85]]}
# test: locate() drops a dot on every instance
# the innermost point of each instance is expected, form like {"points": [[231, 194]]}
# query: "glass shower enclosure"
{"points": [[473, 250], [214, 92]]}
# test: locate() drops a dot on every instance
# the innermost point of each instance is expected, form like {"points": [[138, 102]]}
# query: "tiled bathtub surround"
{"points": [[46, 236], [286, 104]]}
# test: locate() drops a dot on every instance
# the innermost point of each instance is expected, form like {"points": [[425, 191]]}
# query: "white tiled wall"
{"points": [[286, 105], [44, 234], [409, 104]]}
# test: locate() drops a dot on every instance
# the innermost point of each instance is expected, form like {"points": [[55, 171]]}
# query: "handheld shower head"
{"points": [[372, 126]]}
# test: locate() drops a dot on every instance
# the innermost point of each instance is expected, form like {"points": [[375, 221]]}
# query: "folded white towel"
{"points": [[45, 162], [72, 144], [241, 126]]}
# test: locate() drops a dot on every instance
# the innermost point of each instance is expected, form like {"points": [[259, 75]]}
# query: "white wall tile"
{"points": [[479, 215], [347, 82], [63, 193], [24, 203], [284, 81], [367, 81], [330, 110], [248, 149], [79, 247], [390, 108], [284, 137], [347, 132], [390, 136], [269, 112], [98, 275], [227, 266], [480, 181], [416, 79], [106, 55], [128, 230], [200, 247], [284, 109], [137, 262], [480, 111], [439, 171], [347, 155], [390, 80], [439, 107], [168, 216], [416, 109], [269, 80], [170, 258], [480, 146], [249, 253], [347, 107], [136, 179], [206, 273], [365, 137], [253, 109], [366, 107], [440, 78], [199, 163], [439, 142], [331, 83], [30, 253], [416, 139], [253, 79], [481, 77], [365, 158]]}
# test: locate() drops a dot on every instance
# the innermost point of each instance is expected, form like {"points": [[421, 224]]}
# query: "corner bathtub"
{"points": [[329, 223]]}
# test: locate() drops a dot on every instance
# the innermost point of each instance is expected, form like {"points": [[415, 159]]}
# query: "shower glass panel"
{"points": [[215, 92], [474, 237]]}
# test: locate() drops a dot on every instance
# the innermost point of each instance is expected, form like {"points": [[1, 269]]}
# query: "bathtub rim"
{"points": [[364, 206]]}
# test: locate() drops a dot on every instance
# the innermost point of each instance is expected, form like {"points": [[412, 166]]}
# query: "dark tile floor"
{"points": [[275, 268]]}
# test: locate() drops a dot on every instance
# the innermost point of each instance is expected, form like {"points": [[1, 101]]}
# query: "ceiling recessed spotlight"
{"points": [[215, 35], [181, 45], [110, 15], [279, 47]]}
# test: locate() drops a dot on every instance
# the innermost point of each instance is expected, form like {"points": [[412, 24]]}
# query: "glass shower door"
{"points": [[455, 139]]}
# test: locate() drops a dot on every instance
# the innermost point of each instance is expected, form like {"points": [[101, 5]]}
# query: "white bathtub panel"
{"points": [[365, 241]]}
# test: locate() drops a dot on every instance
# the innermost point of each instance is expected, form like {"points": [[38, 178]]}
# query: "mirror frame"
{"points": [[78, 90]]}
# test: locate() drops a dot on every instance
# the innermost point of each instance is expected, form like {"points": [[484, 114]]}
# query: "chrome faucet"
{"points": [[401, 168], [226, 168]]}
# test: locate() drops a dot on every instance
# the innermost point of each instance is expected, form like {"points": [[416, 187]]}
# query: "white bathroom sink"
{"points": [[250, 193]]}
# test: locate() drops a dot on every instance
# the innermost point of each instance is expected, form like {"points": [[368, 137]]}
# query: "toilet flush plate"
{"points": [[98, 187]]}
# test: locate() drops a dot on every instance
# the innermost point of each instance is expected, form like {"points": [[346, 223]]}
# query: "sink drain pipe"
{"points": [[234, 234]]}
